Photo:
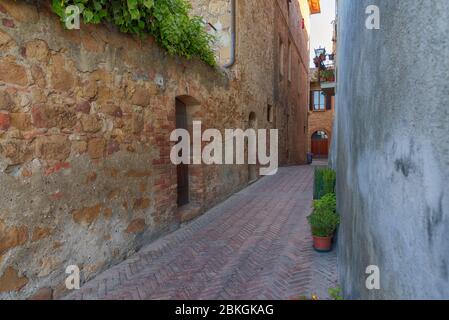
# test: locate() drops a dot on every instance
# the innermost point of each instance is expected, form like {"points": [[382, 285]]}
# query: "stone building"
{"points": [[322, 104], [321, 115], [85, 121]]}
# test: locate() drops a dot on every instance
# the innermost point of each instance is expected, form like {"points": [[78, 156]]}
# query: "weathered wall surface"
{"points": [[393, 149], [85, 120], [291, 92], [218, 15], [257, 68]]}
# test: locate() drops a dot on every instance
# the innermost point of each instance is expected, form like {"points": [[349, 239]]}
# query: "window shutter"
{"points": [[328, 102], [311, 101]]}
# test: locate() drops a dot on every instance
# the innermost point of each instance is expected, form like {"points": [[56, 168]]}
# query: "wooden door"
{"points": [[182, 170], [320, 148]]}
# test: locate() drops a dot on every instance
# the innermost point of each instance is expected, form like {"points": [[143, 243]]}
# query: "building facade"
{"points": [[321, 116], [322, 103], [85, 123]]}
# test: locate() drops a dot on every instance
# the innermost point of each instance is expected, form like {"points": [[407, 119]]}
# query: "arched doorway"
{"points": [[252, 168], [182, 170], [189, 177], [320, 144]]}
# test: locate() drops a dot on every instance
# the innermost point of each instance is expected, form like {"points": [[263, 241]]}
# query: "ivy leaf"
{"points": [[97, 5], [133, 9], [135, 14], [88, 15], [57, 6], [81, 7], [148, 3], [132, 4]]}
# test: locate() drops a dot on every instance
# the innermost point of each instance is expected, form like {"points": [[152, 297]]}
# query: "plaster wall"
{"points": [[392, 149]]}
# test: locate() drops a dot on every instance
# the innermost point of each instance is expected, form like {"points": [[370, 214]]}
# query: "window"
{"points": [[318, 101], [270, 113], [281, 58], [289, 61]]}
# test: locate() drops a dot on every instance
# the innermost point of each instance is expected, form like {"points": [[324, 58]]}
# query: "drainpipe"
{"points": [[233, 27]]}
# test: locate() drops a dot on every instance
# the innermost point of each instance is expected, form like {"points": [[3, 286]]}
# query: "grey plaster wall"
{"points": [[392, 148]]}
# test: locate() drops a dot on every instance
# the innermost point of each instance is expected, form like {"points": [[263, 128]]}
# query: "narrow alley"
{"points": [[255, 245], [137, 139]]}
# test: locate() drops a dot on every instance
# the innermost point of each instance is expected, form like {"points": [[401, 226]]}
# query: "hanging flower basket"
{"points": [[327, 75]]}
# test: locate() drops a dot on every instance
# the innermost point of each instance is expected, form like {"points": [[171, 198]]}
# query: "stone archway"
{"points": [[189, 178]]}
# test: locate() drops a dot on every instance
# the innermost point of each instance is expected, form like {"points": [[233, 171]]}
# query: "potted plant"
{"points": [[327, 75], [324, 221], [324, 182]]}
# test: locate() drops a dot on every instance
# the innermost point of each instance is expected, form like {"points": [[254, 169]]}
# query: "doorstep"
{"points": [[188, 212]]}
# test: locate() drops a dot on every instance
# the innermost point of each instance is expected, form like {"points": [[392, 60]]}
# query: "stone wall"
{"points": [[218, 16], [392, 150], [85, 122], [258, 35], [86, 174], [291, 93]]}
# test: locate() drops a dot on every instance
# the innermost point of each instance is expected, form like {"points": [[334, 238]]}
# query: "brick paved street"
{"points": [[255, 245]]}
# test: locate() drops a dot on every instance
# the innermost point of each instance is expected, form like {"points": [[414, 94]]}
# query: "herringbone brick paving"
{"points": [[255, 245]]}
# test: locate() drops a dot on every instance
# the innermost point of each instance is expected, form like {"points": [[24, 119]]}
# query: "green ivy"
{"points": [[167, 20], [335, 293]]}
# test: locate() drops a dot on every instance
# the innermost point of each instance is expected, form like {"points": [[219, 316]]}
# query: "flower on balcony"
{"points": [[319, 61], [327, 75]]}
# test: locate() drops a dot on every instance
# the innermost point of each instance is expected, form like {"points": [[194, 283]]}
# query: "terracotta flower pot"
{"points": [[322, 244]]}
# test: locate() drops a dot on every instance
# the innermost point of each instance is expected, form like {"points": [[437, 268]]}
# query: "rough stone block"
{"points": [[96, 147], [11, 281], [141, 203], [21, 121], [136, 226], [5, 120], [12, 237], [141, 97], [20, 11], [90, 123], [54, 147], [40, 233], [38, 76], [6, 42], [6, 103], [42, 294], [37, 49], [11, 72], [83, 107], [15, 150], [87, 215]]}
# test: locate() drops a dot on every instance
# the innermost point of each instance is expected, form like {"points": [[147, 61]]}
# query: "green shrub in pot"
{"points": [[324, 182], [324, 218]]}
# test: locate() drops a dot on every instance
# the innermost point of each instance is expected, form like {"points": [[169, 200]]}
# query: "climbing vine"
{"points": [[167, 20]]}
